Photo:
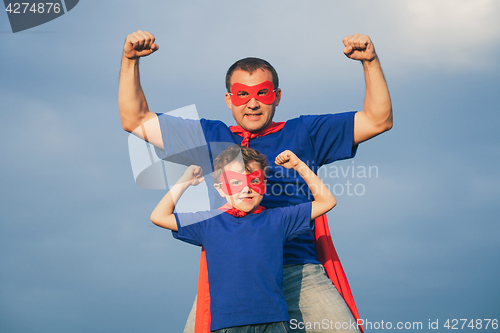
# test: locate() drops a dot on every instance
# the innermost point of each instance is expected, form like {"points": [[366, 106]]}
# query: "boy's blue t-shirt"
{"points": [[315, 139], [244, 260]]}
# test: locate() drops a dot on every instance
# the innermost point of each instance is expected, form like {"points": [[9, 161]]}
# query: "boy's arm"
{"points": [[323, 198], [163, 215]]}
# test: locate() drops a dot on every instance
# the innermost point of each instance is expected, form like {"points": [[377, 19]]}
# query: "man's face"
{"points": [[253, 115], [247, 199]]}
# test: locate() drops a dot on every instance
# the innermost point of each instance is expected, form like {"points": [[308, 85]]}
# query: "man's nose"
{"points": [[253, 103]]}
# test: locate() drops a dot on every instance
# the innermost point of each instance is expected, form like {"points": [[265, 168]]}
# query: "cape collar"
{"points": [[274, 127]]}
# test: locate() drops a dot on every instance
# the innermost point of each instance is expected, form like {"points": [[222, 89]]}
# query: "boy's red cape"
{"points": [[324, 246]]}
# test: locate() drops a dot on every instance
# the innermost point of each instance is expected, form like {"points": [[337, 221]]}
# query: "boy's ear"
{"points": [[219, 189]]}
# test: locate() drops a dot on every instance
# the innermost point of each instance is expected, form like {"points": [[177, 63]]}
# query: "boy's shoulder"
{"points": [[290, 212], [190, 218], [291, 207]]}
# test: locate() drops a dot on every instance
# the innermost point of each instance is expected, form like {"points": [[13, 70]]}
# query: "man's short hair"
{"points": [[230, 154], [250, 65]]}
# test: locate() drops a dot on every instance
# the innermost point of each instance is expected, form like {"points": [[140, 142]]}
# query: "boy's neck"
{"points": [[239, 213]]}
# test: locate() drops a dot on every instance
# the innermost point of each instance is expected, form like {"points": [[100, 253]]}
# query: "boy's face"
{"points": [[248, 198]]}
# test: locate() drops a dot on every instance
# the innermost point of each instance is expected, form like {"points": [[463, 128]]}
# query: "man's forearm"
{"points": [[131, 99], [377, 105]]}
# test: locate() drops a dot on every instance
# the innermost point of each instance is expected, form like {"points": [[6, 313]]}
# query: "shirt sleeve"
{"points": [[191, 227], [183, 141], [296, 219], [332, 136]]}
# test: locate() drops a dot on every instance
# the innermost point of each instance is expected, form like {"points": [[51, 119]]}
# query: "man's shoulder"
{"points": [[338, 116], [213, 122], [175, 119], [327, 121], [307, 119]]}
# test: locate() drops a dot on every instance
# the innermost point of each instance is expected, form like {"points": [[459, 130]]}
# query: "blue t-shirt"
{"points": [[316, 140], [244, 260]]}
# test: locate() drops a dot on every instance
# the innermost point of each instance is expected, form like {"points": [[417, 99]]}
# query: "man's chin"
{"points": [[253, 127]]}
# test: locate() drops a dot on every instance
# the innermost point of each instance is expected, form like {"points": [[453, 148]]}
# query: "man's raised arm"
{"points": [[134, 112], [376, 116]]}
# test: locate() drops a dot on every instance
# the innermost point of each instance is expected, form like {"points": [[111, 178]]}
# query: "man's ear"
{"points": [[278, 97], [227, 96], [219, 189]]}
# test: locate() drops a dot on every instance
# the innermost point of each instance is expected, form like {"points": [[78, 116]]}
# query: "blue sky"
{"points": [[77, 250]]}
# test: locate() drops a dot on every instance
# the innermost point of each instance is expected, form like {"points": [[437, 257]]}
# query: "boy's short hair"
{"points": [[230, 154], [250, 65]]}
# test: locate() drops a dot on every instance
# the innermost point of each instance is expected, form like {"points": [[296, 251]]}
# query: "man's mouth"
{"points": [[253, 115]]}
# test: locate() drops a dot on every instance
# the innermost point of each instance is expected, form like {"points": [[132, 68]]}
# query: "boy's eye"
{"points": [[235, 182], [242, 94], [263, 92], [256, 181]]}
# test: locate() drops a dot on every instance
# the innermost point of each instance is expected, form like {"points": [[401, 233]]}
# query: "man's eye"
{"points": [[235, 182], [242, 94], [263, 92], [256, 181]]}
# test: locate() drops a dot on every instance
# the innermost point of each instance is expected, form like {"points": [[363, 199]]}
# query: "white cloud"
{"points": [[448, 33]]}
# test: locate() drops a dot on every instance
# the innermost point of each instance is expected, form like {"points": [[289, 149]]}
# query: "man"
{"points": [[252, 96]]}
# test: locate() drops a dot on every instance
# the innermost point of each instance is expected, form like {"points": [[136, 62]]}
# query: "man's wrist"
{"points": [[367, 64], [129, 62]]}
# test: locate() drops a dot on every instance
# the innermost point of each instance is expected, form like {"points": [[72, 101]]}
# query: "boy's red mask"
{"points": [[263, 92], [254, 180]]}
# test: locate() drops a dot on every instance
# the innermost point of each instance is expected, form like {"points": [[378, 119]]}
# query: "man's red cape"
{"points": [[324, 246]]}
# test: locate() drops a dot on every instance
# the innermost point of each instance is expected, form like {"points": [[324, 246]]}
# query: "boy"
{"points": [[244, 241]]}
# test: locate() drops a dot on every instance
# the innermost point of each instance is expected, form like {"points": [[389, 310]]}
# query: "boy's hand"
{"points": [[139, 44], [192, 176], [287, 159]]}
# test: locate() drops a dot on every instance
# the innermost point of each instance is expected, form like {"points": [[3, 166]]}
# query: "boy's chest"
{"points": [[250, 236]]}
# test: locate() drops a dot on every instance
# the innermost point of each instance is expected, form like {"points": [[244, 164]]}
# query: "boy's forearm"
{"points": [[322, 195], [318, 188], [163, 214]]}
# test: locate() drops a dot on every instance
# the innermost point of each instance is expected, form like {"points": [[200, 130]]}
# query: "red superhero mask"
{"points": [[263, 92], [233, 182]]}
